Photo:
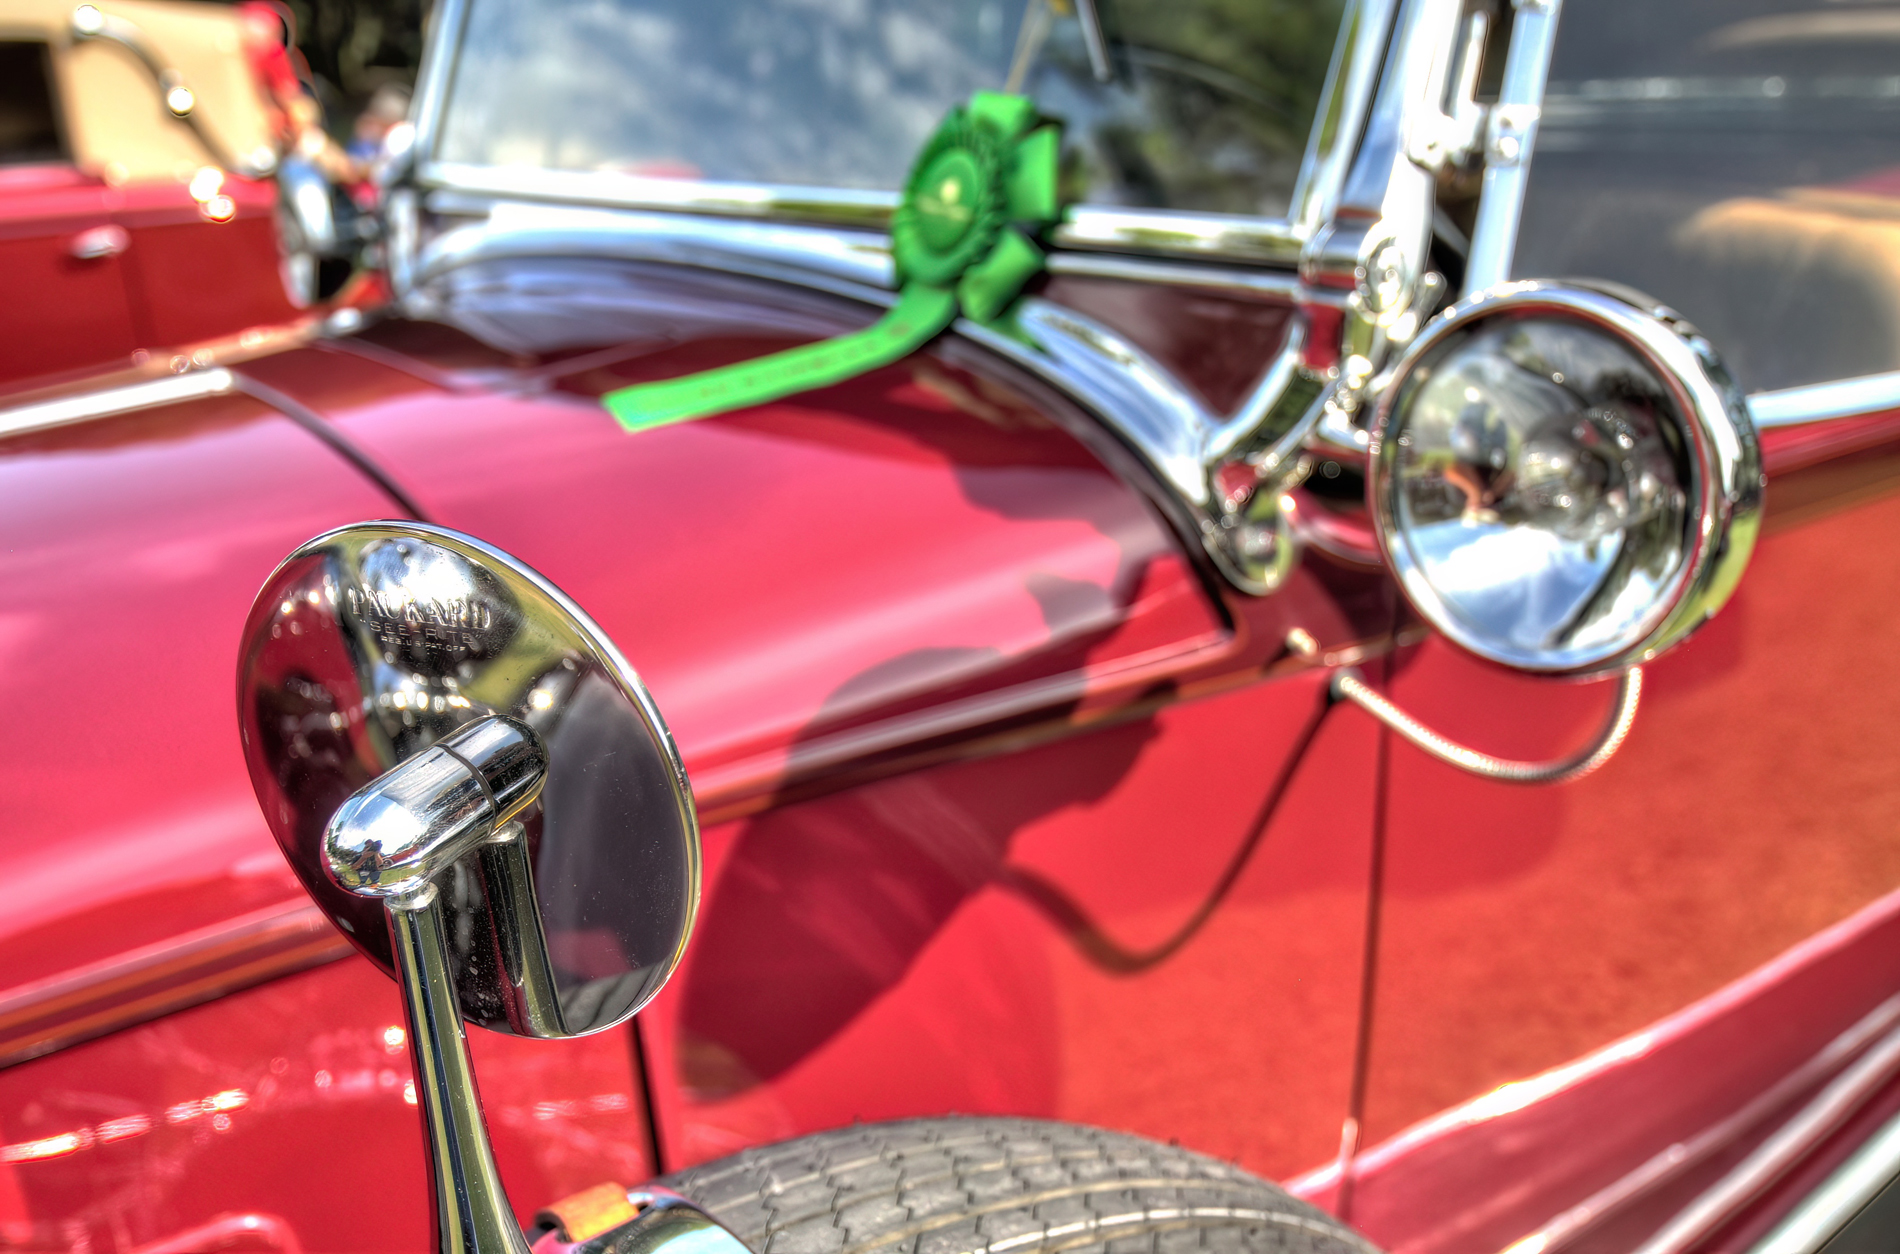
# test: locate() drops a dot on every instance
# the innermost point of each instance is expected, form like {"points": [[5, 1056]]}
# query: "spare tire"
{"points": [[1000, 1186]]}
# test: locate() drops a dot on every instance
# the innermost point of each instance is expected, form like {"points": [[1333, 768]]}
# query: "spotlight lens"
{"points": [[1541, 486]]}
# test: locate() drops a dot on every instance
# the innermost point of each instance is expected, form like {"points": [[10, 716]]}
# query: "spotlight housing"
{"points": [[1563, 477]]}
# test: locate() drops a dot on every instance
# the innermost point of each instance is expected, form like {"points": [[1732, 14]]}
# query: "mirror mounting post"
{"points": [[391, 840], [507, 786], [472, 1214]]}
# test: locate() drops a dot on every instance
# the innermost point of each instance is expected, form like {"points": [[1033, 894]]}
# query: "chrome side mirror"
{"points": [[1565, 480], [476, 787]]}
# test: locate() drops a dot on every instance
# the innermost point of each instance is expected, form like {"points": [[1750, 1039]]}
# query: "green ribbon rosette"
{"points": [[984, 184]]}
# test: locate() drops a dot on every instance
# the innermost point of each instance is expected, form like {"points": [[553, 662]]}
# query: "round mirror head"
{"points": [[371, 643], [1564, 479]]}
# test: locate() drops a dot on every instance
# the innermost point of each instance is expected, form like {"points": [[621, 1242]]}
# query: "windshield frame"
{"points": [[1345, 97]]}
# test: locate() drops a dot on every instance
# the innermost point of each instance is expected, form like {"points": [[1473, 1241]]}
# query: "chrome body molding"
{"points": [[155, 980], [1823, 402], [1848, 1069], [103, 403], [1826, 1211], [1790, 1143]]}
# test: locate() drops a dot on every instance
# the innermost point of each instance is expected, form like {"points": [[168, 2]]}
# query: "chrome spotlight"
{"points": [[1564, 478]]}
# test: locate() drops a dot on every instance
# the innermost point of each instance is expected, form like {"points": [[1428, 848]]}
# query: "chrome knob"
{"points": [[393, 835]]}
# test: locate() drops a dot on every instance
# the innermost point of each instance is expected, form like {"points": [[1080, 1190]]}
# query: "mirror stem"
{"points": [[533, 996], [472, 1214]]}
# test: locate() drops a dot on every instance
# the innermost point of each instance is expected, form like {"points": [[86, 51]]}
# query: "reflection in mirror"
{"points": [[374, 643], [1206, 104]]}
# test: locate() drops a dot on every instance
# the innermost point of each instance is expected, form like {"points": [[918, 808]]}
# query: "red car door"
{"points": [[203, 258], [1631, 980], [60, 247]]}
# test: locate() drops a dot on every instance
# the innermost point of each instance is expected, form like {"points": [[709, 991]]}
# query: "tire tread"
{"points": [[988, 1185]]}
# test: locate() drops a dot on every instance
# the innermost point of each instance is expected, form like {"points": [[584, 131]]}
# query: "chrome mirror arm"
{"points": [[391, 840], [513, 758], [472, 1213]]}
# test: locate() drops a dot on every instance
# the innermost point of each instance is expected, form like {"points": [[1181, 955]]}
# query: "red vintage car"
{"points": [[1294, 688], [153, 208]]}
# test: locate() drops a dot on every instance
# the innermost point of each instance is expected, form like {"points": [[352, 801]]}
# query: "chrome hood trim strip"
{"points": [[42, 415], [1821, 402]]}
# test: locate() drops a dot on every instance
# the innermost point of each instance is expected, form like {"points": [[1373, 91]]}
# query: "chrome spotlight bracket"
{"points": [[1657, 585], [1349, 685]]}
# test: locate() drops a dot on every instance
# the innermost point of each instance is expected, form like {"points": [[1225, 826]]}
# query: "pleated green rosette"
{"points": [[962, 240]]}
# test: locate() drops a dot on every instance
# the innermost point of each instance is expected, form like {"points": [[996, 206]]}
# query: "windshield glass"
{"points": [[1198, 104], [1738, 159]]}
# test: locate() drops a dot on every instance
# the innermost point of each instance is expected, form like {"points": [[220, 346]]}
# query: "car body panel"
{"points": [[1524, 928], [284, 1104], [910, 629], [133, 540], [129, 259], [82, 314], [1000, 936]]}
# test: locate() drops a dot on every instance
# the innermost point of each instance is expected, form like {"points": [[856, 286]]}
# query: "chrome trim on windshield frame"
{"points": [[861, 255], [846, 262], [1178, 233], [45, 415], [1344, 100], [437, 72], [1273, 283], [1509, 137], [1823, 402], [608, 190], [1098, 228]]}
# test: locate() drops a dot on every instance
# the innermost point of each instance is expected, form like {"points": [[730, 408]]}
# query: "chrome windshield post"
{"points": [[1375, 246], [1510, 135]]}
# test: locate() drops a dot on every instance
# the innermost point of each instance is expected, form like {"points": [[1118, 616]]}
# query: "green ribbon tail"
{"points": [[920, 313]]}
